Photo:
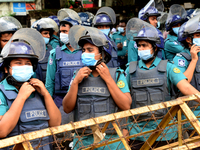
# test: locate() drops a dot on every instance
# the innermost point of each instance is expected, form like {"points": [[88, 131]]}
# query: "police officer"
{"points": [[63, 60], [37, 109], [162, 73], [86, 18], [188, 60], [55, 41], [122, 42], [149, 13], [176, 18], [46, 26], [8, 26], [88, 103], [104, 20]]}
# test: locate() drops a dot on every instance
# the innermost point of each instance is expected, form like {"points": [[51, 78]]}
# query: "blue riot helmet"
{"points": [[177, 14], [79, 35], [190, 13], [25, 43], [55, 18], [152, 8], [45, 24], [104, 16], [102, 19], [137, 30], [9, 24], [151, 11], [85, 18], [188, 29], [195, 13], [69, 16], [133, 27]]}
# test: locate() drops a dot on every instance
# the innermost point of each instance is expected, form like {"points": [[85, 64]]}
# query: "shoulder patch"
{"points": [[121, 84], [176, 70], [181, 62], [50, 61]]}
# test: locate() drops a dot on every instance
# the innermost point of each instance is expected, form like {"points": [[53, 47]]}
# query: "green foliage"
{"points": [[9, 14]]}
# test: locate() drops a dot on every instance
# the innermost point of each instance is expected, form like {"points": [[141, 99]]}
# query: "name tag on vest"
{"points": [[148, 81], [94, 90], [71, 63], [35, 114]]}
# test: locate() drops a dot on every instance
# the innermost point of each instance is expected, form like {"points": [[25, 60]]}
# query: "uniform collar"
{"points": [[7, 86], [64, 47], [155, 63], [55, 36]]}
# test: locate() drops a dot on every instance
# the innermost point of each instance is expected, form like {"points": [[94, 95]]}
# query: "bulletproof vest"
{"points": [[149, 87], [34, 116], [195, 82], [113, 62], [42, 65], [94, 99], [66, 65]]}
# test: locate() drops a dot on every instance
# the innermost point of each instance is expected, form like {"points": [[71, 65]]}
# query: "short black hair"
{"points": [[123, 21], [63, 23]]}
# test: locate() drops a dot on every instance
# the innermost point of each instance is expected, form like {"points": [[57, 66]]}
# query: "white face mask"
{"points": [[64, 38]]}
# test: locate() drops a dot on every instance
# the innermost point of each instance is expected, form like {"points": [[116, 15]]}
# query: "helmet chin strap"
{"points": [[99, 61], [11, 80]]}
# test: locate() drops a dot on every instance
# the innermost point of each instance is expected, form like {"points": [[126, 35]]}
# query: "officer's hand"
{"points": [[119, 46], [25, 90], [82, 73], [39, 86], [194, 52], [103, 71]]}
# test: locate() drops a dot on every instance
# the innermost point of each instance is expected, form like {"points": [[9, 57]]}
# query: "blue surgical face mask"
{"points": [[176, 30], [64, 38], [22, 73], [105, 31], [196, 41], [46, 40], [88, 59], [145, 54], [158, 24], [120, 29]]}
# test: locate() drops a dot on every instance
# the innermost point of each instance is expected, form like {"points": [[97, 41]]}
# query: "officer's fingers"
{"points": [[103, 64]]}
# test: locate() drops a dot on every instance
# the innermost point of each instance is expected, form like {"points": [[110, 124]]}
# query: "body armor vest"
{"points": [[66, 65], [149, 87], [34, 116], [195, 82], [94, 99]]}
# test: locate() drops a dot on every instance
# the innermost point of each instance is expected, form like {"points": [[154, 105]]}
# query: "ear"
{"points": [[188, 40], [6, 70]]}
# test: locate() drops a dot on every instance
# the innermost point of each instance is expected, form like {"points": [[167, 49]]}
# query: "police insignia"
{"points": [[181, 62], [120, 84], [176, 70]]}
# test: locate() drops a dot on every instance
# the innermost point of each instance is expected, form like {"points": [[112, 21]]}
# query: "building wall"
{"points": [[6, 8]]}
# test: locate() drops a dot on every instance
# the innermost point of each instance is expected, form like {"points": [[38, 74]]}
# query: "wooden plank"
{"points": [[191, 117], [190, 146], [23, 146], [162, 125], [179, 128], [121, 136], [105, 127]]}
